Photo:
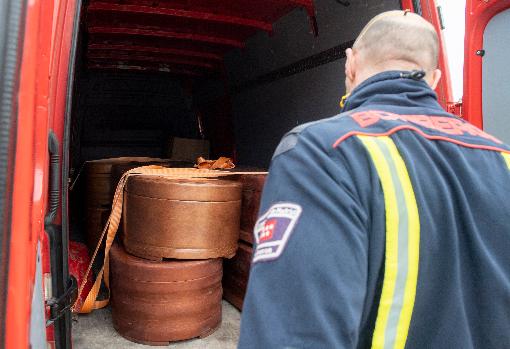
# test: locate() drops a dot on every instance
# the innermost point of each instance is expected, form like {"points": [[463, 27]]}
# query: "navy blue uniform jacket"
{"points": [[387, 226]]}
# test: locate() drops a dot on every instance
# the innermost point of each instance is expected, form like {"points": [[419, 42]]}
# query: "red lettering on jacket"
{"points": [[365, 119], [450, 126], [421, 120]]}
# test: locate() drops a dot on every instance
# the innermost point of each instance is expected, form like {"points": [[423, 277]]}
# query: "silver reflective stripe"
{"points": [[403, 241], [402, 244]]}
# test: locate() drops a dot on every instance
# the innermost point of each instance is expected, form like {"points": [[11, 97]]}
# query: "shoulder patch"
{"points": [[273, 230]]}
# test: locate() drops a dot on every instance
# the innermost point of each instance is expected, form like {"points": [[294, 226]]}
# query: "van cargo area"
{"points": [[175, 79]]}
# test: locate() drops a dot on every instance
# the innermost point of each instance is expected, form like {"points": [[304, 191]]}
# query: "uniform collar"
{"points": [[392, 88]]}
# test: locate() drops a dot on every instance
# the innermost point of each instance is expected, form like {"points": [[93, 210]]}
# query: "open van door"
{"points": [[11, 22], [35, 289], [486, 72]]}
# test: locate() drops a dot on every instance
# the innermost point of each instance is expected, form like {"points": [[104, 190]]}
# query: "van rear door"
{"points": [[11, 24], [35, 45], [486, 73]]}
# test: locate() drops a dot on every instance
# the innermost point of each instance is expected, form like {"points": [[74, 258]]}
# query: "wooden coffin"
{"points": [[100, 190], [99, 184], [246, 236], [183, 219], [252, 192], [95, 221], [119, 169], [236, 272], [160, 302]]}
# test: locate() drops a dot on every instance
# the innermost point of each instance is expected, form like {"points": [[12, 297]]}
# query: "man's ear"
{"points": [[350, 70], [434, 79], [350, 65]]}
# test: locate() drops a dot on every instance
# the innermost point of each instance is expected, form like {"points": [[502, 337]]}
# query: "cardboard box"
{"points": [[187, 149]]}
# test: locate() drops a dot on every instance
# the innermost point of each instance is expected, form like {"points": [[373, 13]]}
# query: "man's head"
{"points": [[394, 40]]}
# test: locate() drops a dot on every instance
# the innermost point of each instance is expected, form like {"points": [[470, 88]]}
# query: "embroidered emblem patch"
{"points": [[273, 230]]}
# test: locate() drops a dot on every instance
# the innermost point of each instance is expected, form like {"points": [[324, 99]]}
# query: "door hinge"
{"points": [[59, 306]]}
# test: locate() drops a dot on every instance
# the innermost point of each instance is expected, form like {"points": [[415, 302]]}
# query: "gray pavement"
{"points": [[95, 331]]}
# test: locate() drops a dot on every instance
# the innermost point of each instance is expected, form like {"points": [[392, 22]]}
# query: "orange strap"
{"points": [[110, 230], [223, 163]]}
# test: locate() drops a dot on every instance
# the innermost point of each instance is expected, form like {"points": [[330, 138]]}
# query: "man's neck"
{"points": [[388, 65]]}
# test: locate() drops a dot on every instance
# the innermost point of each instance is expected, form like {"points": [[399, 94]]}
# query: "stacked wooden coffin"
{"points": [[166, 274], [178, 239], [101, 180], [237, 270]]}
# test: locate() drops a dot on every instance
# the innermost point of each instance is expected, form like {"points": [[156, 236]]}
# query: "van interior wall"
{"points": [[131, 114], [276, 83], [270, 93]]}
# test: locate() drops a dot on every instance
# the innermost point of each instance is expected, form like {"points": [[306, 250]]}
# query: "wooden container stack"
{"points": [[236, 270], [101, 180], [178, 218], [119, 169], [98, 200], [160, 302], [166, 275]]}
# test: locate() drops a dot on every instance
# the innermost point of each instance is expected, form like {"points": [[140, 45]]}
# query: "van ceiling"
{"points": [[181, 37]]}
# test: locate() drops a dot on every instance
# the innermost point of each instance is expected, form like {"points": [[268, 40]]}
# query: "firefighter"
{"points": [[387, 226]]}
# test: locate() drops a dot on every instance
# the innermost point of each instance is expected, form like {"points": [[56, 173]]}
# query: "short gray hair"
{"points": [[399, 35]]}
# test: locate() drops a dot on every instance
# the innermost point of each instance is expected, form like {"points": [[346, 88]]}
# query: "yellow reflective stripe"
{"points": [[391, 257], [506, 156], [413, 245], [402, 228]]}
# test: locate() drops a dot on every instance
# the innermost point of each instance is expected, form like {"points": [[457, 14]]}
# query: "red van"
{"points": [[84, 80]]}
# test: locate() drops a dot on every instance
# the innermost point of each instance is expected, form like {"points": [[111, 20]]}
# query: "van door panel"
{"points": [[478, 15], [496, 76]]}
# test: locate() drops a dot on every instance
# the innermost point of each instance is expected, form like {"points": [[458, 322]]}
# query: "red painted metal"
{"points": [[171, 12], [199, 28], [30, 180], [150, 68], [262, 10], [407, 5], [23, 243], [163, 59], [163, 67], [444, 88], [173, 24], [46, 50], [59, 78], [168, 34], [156, 50], [478, 15], [158, 42]]}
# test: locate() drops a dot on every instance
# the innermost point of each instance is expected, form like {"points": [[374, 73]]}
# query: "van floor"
{"points": [[95, 331]]}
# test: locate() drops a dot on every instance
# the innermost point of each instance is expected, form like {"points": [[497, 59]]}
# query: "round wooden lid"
{"points": [[184, 189]]}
